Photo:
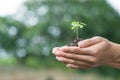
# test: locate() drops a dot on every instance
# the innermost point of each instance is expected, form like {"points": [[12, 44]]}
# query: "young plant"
{"points": [[75, 27]]}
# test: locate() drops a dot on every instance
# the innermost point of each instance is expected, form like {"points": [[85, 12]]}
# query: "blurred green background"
{"points": [[27, 37]]}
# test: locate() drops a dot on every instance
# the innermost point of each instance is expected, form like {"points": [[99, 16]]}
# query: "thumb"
{"points": [[89, 42]]}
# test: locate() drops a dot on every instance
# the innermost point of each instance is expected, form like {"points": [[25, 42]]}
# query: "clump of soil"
{"points": [[75, 42]]}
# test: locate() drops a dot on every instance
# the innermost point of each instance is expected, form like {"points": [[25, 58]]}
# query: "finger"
{"points": [[74, 66], [115, 65], [55, 50], [84, 58], [74, 49], [89, 42], [73, 61]]}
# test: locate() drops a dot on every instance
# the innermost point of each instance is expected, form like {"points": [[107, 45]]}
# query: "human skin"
{"points": [[90, 53]]}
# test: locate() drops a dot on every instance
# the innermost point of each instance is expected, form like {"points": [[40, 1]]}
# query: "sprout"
{"points": [[76, 25]]}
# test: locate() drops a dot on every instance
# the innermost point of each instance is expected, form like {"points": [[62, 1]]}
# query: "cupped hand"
{"points": [[90, 53]]}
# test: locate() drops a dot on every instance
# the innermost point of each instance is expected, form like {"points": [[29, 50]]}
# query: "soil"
{"points": [[75, 42]]}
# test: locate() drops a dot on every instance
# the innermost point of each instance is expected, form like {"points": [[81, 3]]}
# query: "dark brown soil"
{"points": [[75, 42]]}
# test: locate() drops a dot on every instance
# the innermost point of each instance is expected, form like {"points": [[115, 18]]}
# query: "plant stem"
{"points": [[77, 33]]}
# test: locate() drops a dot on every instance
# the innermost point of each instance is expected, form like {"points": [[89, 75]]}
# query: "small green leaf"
{"points": [[77, 24], [73, 28], [81, 26]]}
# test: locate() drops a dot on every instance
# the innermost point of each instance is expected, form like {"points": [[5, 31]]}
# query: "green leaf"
{"points": [[73, 28], [81, 26], [77, 24]]}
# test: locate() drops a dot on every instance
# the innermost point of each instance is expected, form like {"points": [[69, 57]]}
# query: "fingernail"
{"points": [[68, 65], [62, 48], [59, 59], [53, 51], [57, 53], [80, 44]]}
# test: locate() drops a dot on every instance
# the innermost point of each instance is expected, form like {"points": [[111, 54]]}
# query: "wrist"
{"points": [[115, 49], [115, 52]]}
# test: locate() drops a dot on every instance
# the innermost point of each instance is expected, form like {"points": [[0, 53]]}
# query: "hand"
{"points": [[90, 53]]}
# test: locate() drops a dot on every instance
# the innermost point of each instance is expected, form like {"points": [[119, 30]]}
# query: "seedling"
{"points": [[75, 27]]}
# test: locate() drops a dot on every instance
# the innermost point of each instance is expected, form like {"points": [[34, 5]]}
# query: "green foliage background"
{"points": [[41, 25]]}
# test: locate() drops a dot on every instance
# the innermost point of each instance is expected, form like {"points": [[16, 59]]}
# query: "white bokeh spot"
{"points": [[115, 4], [9, 7]]}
